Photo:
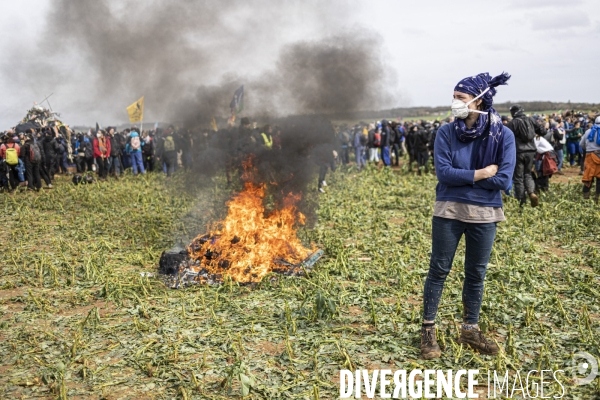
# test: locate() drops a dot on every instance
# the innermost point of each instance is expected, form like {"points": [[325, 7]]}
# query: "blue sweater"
{"points": [[455, 170]]}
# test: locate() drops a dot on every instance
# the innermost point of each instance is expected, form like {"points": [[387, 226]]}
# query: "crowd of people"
{"points": [[32, 158], [545, 143], [37, 155]]}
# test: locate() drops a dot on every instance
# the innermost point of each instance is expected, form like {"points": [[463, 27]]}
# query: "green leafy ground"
{"points": [[77, 320]]}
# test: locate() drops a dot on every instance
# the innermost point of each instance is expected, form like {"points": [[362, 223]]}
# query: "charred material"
{"points": [[181, 270]]}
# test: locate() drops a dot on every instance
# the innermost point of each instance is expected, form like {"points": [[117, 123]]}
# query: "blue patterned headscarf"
{"points": [[491, 150]]}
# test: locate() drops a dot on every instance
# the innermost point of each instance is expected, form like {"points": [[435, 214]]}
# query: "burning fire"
{"points": [[247, 244]]}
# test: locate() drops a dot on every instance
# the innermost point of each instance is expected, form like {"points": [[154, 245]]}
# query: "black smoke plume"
{"points": [[188, 57]]}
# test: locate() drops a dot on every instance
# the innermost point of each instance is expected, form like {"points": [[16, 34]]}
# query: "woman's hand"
{"points": [[486, 172]]}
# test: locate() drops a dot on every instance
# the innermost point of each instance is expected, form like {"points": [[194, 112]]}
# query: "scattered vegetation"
{"points": [[82, 316]]}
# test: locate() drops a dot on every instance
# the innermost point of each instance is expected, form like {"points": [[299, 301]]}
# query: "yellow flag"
{"points": [[213, 124], [136, 111]]}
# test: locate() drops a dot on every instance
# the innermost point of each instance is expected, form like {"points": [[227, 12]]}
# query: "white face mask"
{"points": [[461, 110]]}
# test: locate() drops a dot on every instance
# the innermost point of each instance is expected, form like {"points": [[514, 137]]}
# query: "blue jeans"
{"points": [[573, 150], [385, 155], [360, 159], [137, 163], [446, 234], [561, 158], [115, 165]]}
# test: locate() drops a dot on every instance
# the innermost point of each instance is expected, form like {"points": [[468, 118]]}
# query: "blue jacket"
{"points": [[128, 148], [455, 170]]}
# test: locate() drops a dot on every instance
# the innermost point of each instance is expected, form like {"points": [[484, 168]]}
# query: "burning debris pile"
{"points": [[247, 245], [39, 117]]}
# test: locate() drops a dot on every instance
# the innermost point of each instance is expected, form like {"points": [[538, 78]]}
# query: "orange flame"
{"points": [[246, 244]]}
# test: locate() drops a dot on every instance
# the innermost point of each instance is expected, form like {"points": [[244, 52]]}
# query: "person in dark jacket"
{"points": [[421, 144], [385, 143], [558, 140], [345, 139], [169, 151], [148, 152], [525, 130], [85, 153], [396, 143], [50, 152], [359, 141], [411, 140], [61, 154], [114, 159], [32, 156], [372, 146], [186, 145], [325, 157]]}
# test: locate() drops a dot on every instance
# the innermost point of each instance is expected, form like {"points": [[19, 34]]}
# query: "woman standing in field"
{"points": [[475, 160]]}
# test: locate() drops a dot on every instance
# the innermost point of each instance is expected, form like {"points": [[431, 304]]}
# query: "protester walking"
{"points": [[591, 141], [475, 161], [525, 131]]}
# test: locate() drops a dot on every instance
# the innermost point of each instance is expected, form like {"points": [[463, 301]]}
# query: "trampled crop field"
{"points": [[78, 319]]}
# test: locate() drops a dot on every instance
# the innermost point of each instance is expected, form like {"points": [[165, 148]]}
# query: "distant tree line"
{"points": [[529, 106]]}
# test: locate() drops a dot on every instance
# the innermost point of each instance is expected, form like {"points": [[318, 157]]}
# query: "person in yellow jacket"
{"points": [[267, 137]]}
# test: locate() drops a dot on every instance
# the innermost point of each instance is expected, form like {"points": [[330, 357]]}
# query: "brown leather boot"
{"points": [[474, 338], [586, 195], [534, 200], [596, 198], [429, 345]]}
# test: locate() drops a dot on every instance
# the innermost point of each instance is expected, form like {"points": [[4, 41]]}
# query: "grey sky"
{"points": [[549, 47]]}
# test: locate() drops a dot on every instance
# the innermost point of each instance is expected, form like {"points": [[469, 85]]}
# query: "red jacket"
{"points": [[97, 152]]}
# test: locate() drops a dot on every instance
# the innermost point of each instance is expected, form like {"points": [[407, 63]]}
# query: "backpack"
{"points": [[115, 147], [135, 143], [377, 139], [363, 139], [35, 154], [526, 131], [345, 138], [169, 143], [12, 158], [147, 149], [549, 166]]}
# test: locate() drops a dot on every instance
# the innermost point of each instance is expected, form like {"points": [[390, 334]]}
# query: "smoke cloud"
{"points": [[188, 57]]}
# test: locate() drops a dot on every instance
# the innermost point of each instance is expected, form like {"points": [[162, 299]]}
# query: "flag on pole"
{"points": [[213, 124], [136, 111], [237, 103]]}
